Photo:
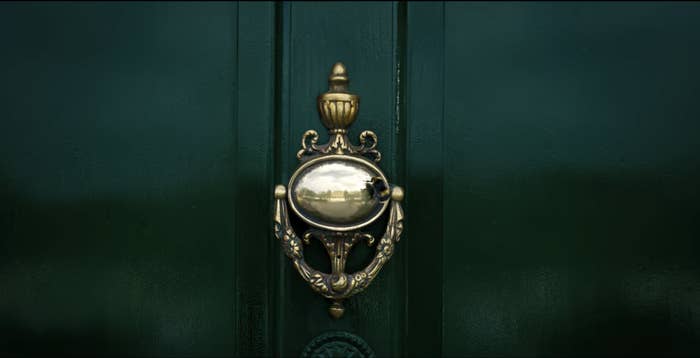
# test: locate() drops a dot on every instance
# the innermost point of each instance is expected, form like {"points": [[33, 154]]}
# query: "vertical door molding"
{"points": [[255, 111], [424, 177]]}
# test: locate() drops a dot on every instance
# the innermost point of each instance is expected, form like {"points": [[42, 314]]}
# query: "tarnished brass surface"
{"points": [[337, 190]]}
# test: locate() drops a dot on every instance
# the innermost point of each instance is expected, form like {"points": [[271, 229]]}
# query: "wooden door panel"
{"points": [[571, 147], [117, 177], [548, 152]]}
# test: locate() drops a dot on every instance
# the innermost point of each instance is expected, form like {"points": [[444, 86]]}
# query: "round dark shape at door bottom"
{"points": [[337, 344]]}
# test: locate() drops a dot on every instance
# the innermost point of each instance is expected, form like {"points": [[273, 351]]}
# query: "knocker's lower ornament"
{"points": [[338, 189]]}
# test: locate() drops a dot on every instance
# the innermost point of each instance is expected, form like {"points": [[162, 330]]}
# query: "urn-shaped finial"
{"points": [[337, 107]]}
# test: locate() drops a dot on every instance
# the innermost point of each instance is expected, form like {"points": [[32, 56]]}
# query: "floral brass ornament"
{"points": [[337, 190]]}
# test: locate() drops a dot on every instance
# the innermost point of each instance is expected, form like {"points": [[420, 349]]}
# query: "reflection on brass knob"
{"points": [[337, 190]]}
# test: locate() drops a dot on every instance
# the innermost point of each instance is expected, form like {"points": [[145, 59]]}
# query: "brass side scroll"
{"points": [[337, 190]]}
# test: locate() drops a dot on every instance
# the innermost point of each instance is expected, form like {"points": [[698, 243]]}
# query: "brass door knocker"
{"points": [[337, 190]]}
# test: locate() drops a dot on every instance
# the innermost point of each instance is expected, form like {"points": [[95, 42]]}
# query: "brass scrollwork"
{"points": [[338, 285], [339, 144], [337, 191]]}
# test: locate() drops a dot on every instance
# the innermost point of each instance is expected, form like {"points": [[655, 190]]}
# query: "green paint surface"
{"points": [[116, 174], [549, 152], [571, 157]]}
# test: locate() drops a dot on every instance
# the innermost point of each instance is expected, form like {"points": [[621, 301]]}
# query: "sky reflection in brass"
{"points": [[335, 192]]}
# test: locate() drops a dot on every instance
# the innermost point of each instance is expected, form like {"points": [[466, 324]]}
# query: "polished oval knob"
{"points": [[337, 193]]}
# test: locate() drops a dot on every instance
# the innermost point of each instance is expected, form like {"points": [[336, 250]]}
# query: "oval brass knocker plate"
{"points": [[336, 192], [338, 189]]}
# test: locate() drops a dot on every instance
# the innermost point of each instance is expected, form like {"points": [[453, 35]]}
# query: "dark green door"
{"points": [[549, 152]]}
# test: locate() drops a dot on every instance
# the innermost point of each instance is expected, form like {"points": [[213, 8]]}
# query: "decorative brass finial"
{"points": [[337, 107], [336, 309], [338, 79]]}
